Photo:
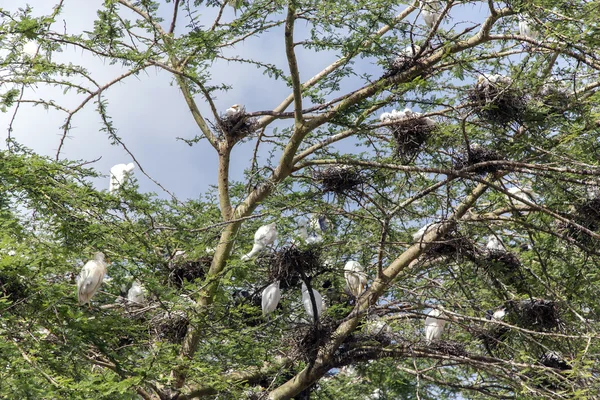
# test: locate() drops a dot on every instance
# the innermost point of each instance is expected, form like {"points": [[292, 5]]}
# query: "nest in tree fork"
{"points": [[449, 347], [237, 125], [537, 314], [497, 102], [306, 339], [171, 326], [339, 178], [587, 213], [409, 135], [182, 270], [452, 244], [504, 267], [290, 263], [477, 154]]}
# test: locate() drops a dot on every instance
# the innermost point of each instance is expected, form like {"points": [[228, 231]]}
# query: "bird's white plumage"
{"points": [[118, 176], [525, 194], [264, 237], [434, 326], [377, 327], [270, 298], [355, 277], [525, 29], [31, 48], [499, 315], [91, 277], [424, 230], [385, 117], [308, 304], [234, 111], [494, 244], [431, 11], [136, 293]]}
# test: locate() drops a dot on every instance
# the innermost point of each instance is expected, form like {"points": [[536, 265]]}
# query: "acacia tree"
{"points": [[500, 110]]}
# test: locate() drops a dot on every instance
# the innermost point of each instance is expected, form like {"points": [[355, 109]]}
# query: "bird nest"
{"points": [[306, 339], [475, 155], [505, 267], [535, 314], [497, 103], [182, 270], [449, 347], [492, 336], [13, 287], [290, 263], [552, 359], [171, 326], [451, 245], [339, 179], [409, 135], [404, 61], [589, 211], [237, 125]]}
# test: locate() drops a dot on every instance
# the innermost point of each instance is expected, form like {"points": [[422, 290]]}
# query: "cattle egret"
{"points": [[494, 244], [30, 49], [499, 315], [137, 293], [118, 175], [270, 298], [234, 111], [411, 51], [265, 236], [308, 304], [431, 11], [91, 277], [434, 327], [385, 117], [525, 28], [525, 194], [424, 230], [355, 277]]}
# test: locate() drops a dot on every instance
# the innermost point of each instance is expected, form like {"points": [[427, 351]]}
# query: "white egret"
{"points": [[118, 175], [270, 298], [424, 230], [494, 244], [234, 111], [136, 293], [31, 49], [526, 194], [377, 327], [308, 304], [434, 326], [431, 11], [91, 277], [355, 277], [385, 117], [525, 28], [265, 236], [499, 315]]}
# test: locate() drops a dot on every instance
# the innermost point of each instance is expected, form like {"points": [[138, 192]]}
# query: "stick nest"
{"points": [[552, 359], [477, 154], [505, 267], [339, 179], [492, 336], [13, 287], [288, 264], [449, 347], [237, 126], [182, 270], [171, 326], [409, 135], [405, 60], [452, 244], [306, 339], [538, 314], [497, 102]]}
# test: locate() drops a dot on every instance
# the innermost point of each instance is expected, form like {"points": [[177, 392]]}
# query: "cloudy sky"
{"points": [[149, 111]]}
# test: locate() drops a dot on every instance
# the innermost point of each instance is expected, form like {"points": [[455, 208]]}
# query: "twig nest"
{"points": [[493, 336], [171, 326], [182, 270], [235, 123], [339, 178], [555, 95], [288, 264], [13, 287], [452, 244], [537, 314], [495, 100], [505, 267], [552, 359], [449, 347], [476, 154], [406, 58], [587, 214], [306, 339], [410, 130]]}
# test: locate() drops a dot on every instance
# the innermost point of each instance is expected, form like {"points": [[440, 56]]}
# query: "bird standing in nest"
{"points": [[234, 111], [312, 314], [355, 277], [495, 244], [90, 279]]}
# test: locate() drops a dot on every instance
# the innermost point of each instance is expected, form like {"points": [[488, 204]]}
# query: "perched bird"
{"points": [[431, 11], [526, 194], [411, 51], [525, 28], [136, 293], [434, 327], [270, 298], [355, 277], [377, 327], [494, 244], [91, 277], [424, 230], [385, 117], [265, 236], [30, 49], [408, 113], [320, 222], [497, 315], [118, 175], [234, 111], [308, 304]]}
